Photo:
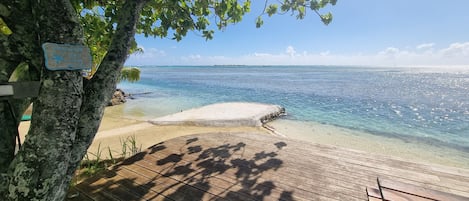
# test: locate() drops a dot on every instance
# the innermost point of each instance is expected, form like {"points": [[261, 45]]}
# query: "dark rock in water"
{"points": [[117, 98]]}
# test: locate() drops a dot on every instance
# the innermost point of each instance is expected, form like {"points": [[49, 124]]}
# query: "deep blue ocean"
{"points": [[427, 105]]}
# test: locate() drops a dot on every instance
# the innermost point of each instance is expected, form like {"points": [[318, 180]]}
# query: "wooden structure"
{"points": [[391, 190], [246, 166]]}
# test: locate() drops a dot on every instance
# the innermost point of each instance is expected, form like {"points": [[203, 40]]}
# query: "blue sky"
{"points": [[363, 32]]}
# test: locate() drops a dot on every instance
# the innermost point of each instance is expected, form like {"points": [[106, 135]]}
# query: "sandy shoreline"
{"points": [[352, 139], [117, 128]]}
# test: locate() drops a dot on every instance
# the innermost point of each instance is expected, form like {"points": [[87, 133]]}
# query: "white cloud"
{"points": [[290, 51], [456, 54], [325, 53], [390, 51], [456, 50], [261, 54], [425, 46]]}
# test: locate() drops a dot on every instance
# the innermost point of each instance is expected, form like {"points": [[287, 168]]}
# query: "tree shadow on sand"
{"points": [[189, 168]]}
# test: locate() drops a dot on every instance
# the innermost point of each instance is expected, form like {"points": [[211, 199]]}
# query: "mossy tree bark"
{"points": [[68, 110], [15, 48]]}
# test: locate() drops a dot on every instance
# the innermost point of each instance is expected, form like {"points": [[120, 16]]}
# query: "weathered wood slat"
{"points": [[385, 171], [422, 173], [447, 172], [373, 192], [228, 176], [392, 195], [292, 174], [381, 170], [246, 166], [433, 168], [214, 190], [390, 186]]}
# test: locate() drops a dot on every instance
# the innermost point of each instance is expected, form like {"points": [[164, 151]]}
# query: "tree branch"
{"points": [[100, 88]]}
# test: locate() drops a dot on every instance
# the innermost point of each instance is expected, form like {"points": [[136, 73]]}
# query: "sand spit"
{"points": [[224, 115]]}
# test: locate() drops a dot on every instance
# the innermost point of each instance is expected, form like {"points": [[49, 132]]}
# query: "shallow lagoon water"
{"points": [[426, 108]]}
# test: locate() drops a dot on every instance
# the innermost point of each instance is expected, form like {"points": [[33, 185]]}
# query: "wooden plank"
{"points": [[393, 195], [255, 167], [374, 199], [139, 185], [108, 189], [166, 185], [419, 191], [6, 90], [26, 89], [373, 192], [163, 181], [352, 172], [155, 161], [386, 171], [383, 161], [374, 158], [220, 184], [292, 180], [457, 183]]}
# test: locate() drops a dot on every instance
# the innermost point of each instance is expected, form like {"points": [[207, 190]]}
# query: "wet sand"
{"points": [[342, 137]]}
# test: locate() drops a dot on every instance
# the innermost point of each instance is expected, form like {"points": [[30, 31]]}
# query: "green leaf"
{"points": [[314, 5], [301, 13], [130, 74], [4, 29], [208, 35], [259, 22], [272, 9], [285, 7], [326, 18]]}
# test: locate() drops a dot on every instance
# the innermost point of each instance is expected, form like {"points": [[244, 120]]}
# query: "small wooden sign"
{"points": [[66, 57], [6, 90]]}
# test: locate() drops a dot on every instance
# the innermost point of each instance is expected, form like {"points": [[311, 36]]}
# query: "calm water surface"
{"points": [[425, 105]]}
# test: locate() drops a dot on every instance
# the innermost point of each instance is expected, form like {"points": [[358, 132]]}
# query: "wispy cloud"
{"points": [[425, 46], [456, 50], [455, 54]]}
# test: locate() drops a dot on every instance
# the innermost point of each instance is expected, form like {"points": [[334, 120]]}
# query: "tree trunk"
{"points": [[38, 169], [14, 49], [67, 114], [7, 123], [99, 90]]}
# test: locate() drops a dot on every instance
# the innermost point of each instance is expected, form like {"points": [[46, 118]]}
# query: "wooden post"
{"points": [[20, 90], [6, 90]]}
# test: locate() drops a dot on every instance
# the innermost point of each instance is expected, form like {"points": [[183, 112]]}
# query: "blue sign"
{"points": [[66, 57]]}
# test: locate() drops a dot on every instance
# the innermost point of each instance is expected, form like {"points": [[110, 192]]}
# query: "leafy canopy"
{"points": [[175, 18]]}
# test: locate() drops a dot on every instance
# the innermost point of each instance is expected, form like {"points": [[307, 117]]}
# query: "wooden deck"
{"points": [[247, 166]]}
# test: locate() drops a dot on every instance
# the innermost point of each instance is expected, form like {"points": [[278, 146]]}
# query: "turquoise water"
{"points": [[424, 105]]}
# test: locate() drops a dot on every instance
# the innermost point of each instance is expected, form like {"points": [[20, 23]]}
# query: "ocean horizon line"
{"points": [[446, 67]]}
